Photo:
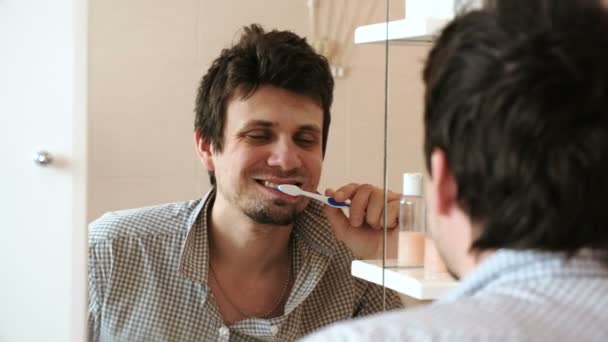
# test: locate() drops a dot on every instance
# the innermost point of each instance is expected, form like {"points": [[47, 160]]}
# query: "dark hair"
{"points": [[517, 98], [278, 58]]}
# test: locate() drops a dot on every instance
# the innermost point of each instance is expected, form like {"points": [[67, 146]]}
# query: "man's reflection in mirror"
{"points": [[245, 261]]}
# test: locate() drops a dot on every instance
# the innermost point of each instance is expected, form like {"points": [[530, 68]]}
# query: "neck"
{"points": [[244, 246], [473, 260]]}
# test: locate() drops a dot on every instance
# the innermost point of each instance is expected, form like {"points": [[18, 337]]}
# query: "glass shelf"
{"points": [[410, 281]]}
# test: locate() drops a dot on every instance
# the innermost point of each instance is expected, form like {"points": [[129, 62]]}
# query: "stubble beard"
{"points": [[278, 212], [273, 211], [261, 209]]}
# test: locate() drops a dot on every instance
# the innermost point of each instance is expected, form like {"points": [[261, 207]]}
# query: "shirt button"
{"points": [[274, 330], [224, 331]]}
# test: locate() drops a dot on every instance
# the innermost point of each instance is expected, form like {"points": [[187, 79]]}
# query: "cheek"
{"points": [[232, 168], [247, 159], [442, 241], [432, 226], [314, 164]]}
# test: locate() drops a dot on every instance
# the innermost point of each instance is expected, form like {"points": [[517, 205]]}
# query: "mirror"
{"points": [[145, 63]]}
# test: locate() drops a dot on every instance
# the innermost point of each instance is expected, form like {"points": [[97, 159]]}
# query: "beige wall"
{"points": [[146, 58]]}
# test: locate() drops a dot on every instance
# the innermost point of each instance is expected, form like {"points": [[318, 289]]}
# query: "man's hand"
{"points": [[362, 229]]}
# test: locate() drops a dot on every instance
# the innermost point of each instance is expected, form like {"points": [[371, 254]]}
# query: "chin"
{"points": [[276, 212], [453, 273], [264, 217]]}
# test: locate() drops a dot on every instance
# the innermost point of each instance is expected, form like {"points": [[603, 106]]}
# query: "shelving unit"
{"points": [[410, 281], [422, 21], [401, 31]]}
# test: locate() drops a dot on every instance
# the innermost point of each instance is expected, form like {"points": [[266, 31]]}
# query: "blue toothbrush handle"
{"points": [[337, 204]]}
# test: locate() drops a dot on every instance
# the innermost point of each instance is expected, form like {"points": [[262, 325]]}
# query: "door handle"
{"points": [[43, 158]]}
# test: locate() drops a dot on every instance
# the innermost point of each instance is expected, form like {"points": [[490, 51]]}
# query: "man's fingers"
{"points": [[392, 215], [367, 204], [375, 209], [345, 192], [359, 204]]}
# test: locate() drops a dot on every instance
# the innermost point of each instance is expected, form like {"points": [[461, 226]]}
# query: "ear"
{"points": [[443, 187], [204, 150]]}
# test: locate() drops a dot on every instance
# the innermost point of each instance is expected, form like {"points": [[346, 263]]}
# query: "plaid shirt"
{"points": [[148, 272], [512, 296]]}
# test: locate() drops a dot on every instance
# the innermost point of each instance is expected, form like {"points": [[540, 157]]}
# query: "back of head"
{"points": [[517, 98], [278, 58]]}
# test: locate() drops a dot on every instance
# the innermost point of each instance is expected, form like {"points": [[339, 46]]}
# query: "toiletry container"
{"points": [[412, 218]]}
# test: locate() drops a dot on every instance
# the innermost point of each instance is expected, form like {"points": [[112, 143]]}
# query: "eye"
{"points": [[306, 139], [258, 136]]}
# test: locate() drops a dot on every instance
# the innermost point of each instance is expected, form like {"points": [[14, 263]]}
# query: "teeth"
{"points": [[273, 185], [269, 184]]}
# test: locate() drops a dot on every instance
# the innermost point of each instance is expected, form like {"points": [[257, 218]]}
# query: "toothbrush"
{"points": [[293, 190]]}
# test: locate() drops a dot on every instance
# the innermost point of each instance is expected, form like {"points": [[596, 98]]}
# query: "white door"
{"points": [[42, 221]]}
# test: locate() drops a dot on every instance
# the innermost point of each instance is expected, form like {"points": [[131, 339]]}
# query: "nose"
{"points": [[285, 155]]}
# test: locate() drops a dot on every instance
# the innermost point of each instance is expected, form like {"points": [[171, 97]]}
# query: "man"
{"points": [[246, 262], [516, 119]]}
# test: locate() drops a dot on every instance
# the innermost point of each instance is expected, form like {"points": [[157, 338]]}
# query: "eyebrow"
{"points": [[257, 123], [310, 128], [267, 124]]}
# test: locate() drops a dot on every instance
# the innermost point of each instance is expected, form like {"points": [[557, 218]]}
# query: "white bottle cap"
{"points": [[412, 184]]}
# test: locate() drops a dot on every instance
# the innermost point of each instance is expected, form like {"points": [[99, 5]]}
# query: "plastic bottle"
{"points": [[412, 216]]}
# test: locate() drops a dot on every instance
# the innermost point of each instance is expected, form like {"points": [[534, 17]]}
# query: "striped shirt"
{"points": [[148, 271], [511, 296]]}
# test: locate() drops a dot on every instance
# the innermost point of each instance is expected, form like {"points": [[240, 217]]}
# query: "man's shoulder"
{"points": [[160, 219], [438, 322]]}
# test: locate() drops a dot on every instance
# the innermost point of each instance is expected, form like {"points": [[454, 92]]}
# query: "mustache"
{"points": [[296, 173]]}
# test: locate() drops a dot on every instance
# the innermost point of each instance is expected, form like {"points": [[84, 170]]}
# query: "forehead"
{"points": [[278, 106]]}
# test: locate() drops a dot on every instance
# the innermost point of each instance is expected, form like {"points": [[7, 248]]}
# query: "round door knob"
{"points": [[43, 158]]}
